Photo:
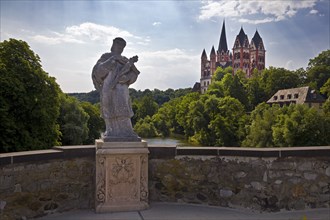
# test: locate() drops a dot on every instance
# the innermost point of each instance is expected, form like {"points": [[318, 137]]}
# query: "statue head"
{"points": [[118, 45]]}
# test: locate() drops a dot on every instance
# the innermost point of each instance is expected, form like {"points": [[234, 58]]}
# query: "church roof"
{"points": [[299, 95], [213, 51], [256, 39], [204, 54], [223, 40], [241, 36]]}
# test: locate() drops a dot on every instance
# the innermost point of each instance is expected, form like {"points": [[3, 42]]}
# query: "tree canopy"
{"points": [[35, 114], [29, 100]]}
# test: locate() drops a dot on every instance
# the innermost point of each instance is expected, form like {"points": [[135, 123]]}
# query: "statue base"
{"points": [[121, 176], [121, 139]]}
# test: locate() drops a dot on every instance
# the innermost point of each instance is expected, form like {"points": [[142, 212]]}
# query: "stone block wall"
{"points": [[266, 184], [37, 183], [43, 183]]}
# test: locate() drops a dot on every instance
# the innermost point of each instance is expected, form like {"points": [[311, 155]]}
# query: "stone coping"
{"points": [[165, 152]]}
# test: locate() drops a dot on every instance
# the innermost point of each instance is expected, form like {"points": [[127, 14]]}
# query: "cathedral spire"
{"points": [[223, 40], [256, 39]]}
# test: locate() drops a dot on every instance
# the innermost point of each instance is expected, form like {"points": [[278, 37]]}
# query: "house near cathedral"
{"points": [[245, 56], [303, 95]]}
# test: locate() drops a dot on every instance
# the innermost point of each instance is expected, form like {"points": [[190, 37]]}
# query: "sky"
{"points": [[168, 36]]}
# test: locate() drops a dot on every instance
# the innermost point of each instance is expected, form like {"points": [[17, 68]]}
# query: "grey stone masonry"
{"points": [[37, 183]]}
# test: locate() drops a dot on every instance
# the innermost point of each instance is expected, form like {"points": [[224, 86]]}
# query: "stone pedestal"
{"points": [[121, 176]]}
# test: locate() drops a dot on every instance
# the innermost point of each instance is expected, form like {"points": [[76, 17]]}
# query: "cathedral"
{"points": [[245, 56]]}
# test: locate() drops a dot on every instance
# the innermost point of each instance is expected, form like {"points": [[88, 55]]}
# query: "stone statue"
{"points": [[112, 74]]}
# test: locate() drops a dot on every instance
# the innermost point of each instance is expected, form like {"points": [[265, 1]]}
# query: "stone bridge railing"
{"points": [[36, 183]]}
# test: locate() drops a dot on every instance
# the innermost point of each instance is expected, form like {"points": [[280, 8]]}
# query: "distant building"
{"points": [[302, 95], [245, 56]]}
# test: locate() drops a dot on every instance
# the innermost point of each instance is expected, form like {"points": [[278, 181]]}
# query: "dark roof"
{"points": [[213, 51], [197, 87], [256, 39], [204, 54], [227, 64], [299, 95], [223, 40], [241, 36]]}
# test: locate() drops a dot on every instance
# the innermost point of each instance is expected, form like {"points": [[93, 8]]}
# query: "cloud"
{"points": [[269, 11], [260, 21], [86, 32], [289, 65], [156, 23], [162, 69], [60, 38], [313, 11]]}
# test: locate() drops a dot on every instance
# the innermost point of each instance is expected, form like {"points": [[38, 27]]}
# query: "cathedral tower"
{"points": [[213, 61], [205, 72], [245, 56], [223, 54], [241, 53], [257, 53]]}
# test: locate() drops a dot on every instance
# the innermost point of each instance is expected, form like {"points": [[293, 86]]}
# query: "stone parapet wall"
{"points": [[263, 184], [36, 183]]}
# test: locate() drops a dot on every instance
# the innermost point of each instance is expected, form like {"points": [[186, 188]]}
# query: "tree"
{"points": [[162, 120], [95, 123], [198, 121], [325, 89], [274, 79], [182, 110], [259, 132], [299, 125], [318, 70], [146, 107], [145, 128], [29, 100], [323, 59], [228, 123], [220, 73], [73, 121], [233, 86]]}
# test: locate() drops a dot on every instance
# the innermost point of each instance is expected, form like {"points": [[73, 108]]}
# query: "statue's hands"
{"points": [[123, 79], [134, 59]]}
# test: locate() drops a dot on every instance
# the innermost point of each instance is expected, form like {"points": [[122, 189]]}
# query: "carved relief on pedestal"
{"points": [[144, 178], [123, 176], [100, 185]]}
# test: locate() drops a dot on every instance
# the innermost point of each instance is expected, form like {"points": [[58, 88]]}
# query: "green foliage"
{"points": [[256, 93], [165, 119], [233, 86], [220, 73], [145, 128], [146, 107], [274, 79], [73, 121], [95, 123], [318, 70], [160, 97], [92, 97], [259, 132], [299, 125], [294, 125], [218, 121], [325, 89], [228, 123], [29, 100], [323, 59], [182, 110]]}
